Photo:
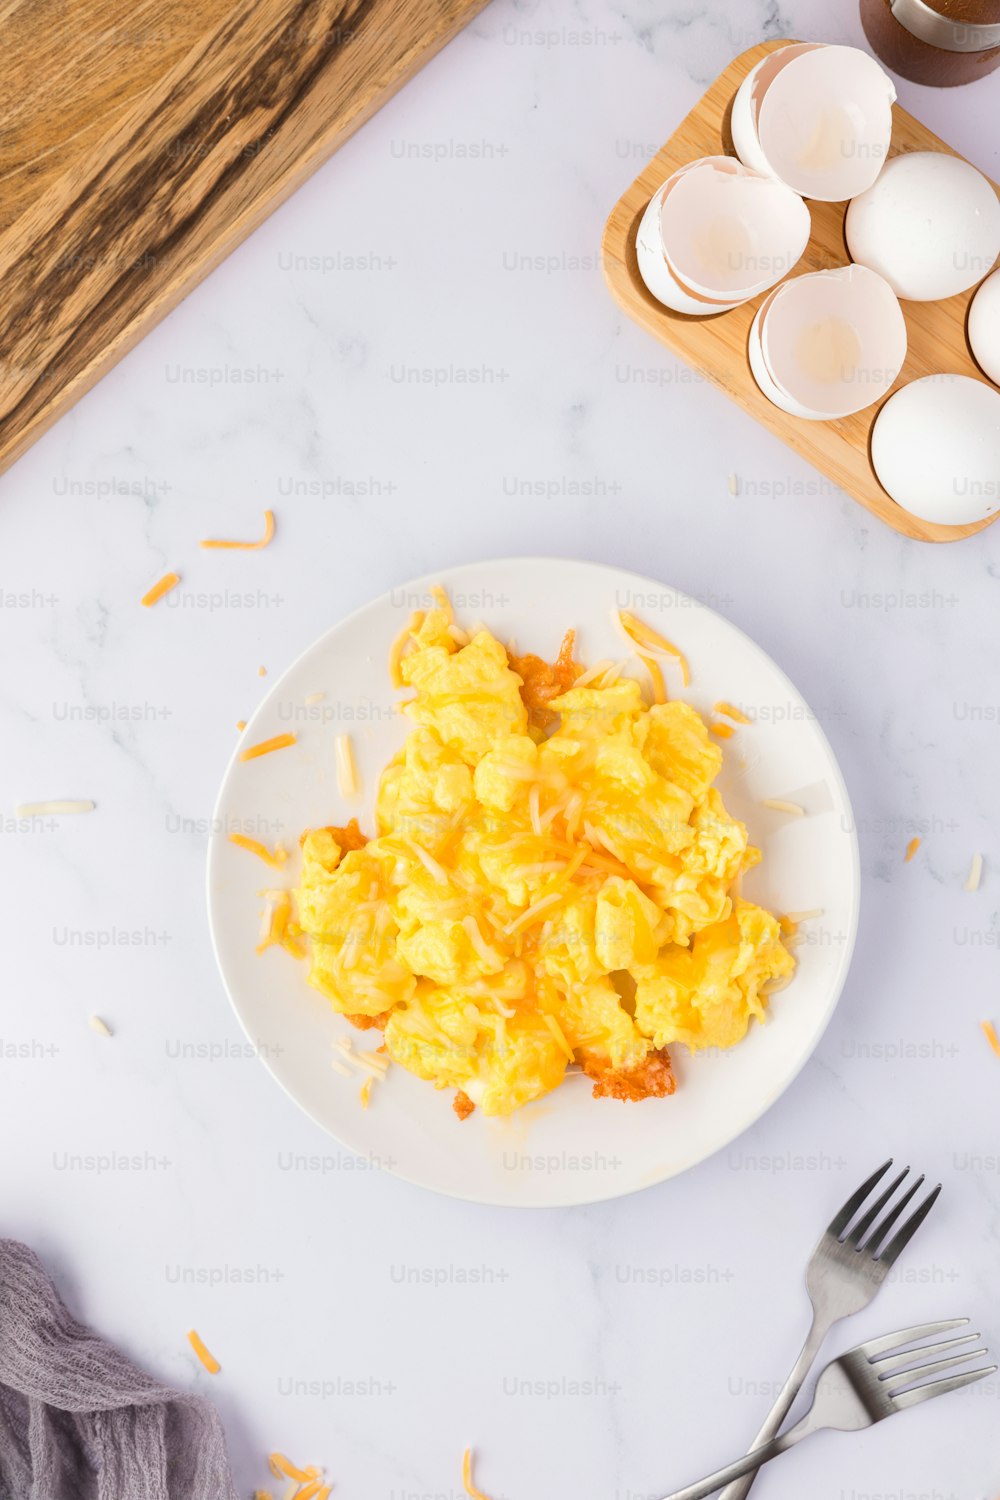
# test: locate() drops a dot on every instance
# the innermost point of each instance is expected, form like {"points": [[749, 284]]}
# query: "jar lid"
{"points": [[948, 34]]}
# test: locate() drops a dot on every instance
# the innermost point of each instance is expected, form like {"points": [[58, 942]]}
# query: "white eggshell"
{"points": [[762, 375], [834, 341], [743, 115], [936, 449], [825, 122], [729, 233], [984, 326], [930, 225], [656, 273]]}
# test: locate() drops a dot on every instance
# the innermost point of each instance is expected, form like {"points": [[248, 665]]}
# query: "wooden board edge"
{"points": [[241, 227]]}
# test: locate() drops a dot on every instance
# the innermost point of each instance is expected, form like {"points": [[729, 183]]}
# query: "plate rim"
{"points": [[440, 576]]}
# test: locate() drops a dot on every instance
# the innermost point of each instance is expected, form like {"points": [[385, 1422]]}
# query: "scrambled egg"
{"points": [[550, 883]]}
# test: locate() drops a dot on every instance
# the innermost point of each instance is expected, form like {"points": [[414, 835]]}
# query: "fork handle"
{"points": [[783, 1404], [747, 1465]]}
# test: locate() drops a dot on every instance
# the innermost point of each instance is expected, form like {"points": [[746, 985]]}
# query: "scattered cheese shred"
{"points": [[911, 850], [208, 1360], [248, 546], [975, 874], [280, 1465], [261, 671], [279, 742], [98, 1024], [155, 594], [309, 1491], [400, 644], [366, 1092], [795, 917], [312, 698], [275, 860], [559, 1035], [442, 601], [56, 809], [780, 804], [339, 1068], [733, 484], [720, 730], [347, 767], [469, 1487], [731, 712], [655, 676], [989, 1032], [646, 637], [241, 724]]}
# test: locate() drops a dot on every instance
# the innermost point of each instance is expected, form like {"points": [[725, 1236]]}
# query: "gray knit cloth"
{"points": [[79, 1421]]}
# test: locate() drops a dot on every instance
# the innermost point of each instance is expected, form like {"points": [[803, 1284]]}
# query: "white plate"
{"points": [[567, 1148]]}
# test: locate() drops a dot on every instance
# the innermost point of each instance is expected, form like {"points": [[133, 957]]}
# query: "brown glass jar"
{"points": [[940, 42]]}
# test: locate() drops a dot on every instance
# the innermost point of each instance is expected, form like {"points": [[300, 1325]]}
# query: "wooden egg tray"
{"points": [[717, 346]]}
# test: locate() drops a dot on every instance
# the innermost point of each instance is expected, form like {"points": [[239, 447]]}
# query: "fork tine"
{"points": [[868, 1219], [908, 1377], [893, 1362], [841, 1220], [903, 1236], [880, 1233], [909, 1336], [940, 1387]]}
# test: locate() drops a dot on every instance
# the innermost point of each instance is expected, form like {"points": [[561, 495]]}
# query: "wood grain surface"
{"points": [[718, 346], [141, 144]]}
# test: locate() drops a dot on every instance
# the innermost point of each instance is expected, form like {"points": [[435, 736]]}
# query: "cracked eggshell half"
{"points": [[830, 343], [656, 272], [746, 104], [936, 449], [729, 232], [820, 121], [716, 234]]}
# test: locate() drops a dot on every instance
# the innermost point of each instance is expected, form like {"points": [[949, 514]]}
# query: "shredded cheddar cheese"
{"points": [[656, 676], [911, 850], [648, 639], [98, 1024], [241, 724], [779, 804], [560, 1036], [469, 1487], [208, 1360], [248, 546], [366, 1092], [400, 644], [279, 742], [989, 1031], [282, 1467], [155, 594], [975, 874], [720, 730], [796, 917], [275, 860], [347, 769], [731, 712]]}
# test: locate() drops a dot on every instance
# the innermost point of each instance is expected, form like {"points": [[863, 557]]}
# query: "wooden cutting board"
{"points": [[142, 140], [936, 331]]}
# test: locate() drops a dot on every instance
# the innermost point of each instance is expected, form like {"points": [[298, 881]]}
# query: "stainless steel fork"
{"points": [[863, 1387], [846, 1270]]}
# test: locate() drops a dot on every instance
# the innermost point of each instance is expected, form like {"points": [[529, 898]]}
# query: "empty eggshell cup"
{"points": [[717, 234], [828, 344], [818, 118]]}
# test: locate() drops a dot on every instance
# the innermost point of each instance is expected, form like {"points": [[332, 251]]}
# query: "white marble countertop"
{"points": [[416, 363]]}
